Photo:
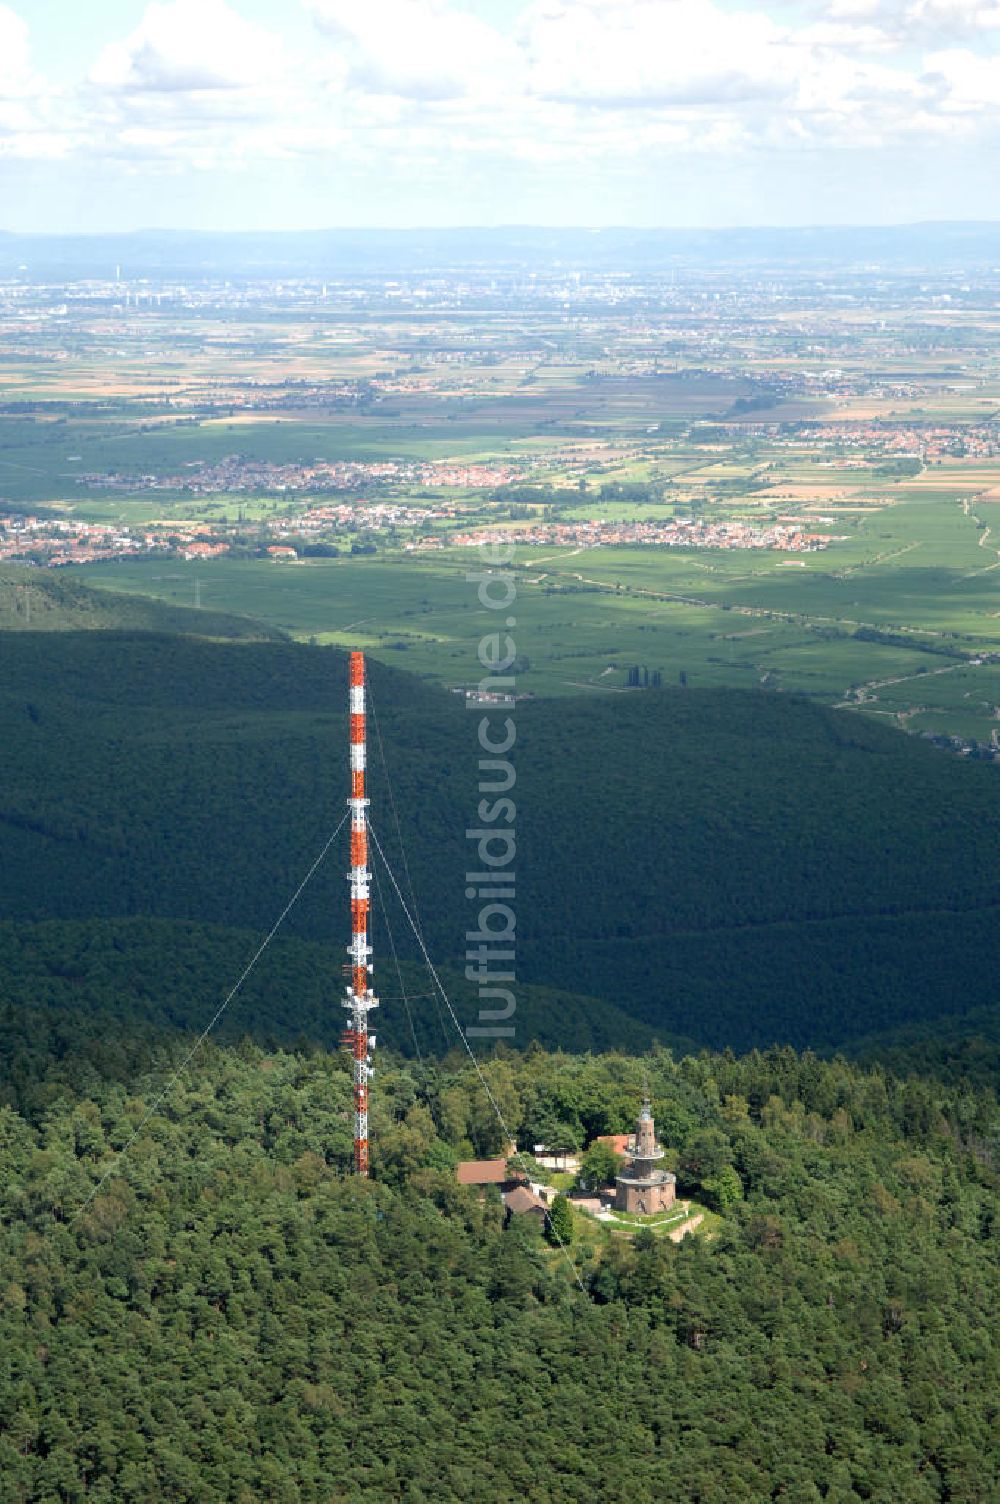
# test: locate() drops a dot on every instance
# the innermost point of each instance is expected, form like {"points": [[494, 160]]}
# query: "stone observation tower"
{"points": [[643, 1188]]}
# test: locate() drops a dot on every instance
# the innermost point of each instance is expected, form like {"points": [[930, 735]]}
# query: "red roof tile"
{"points": [[482, 1172], [618, 1141]]}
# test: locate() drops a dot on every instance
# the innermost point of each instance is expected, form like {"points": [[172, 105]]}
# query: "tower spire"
{"points": [[360, 999], [643, 1187]]}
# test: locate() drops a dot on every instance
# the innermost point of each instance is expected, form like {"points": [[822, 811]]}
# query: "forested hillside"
{"points": [[101, 994], [36, 600], [230, 1319], [199, 1304], [736, 868]]}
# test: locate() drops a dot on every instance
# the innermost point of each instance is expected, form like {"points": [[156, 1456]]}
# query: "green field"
{"points": [[42, 458], [912, 579]]}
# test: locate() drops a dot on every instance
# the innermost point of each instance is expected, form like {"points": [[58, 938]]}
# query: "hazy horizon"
{"points": [[505, 227], [950, 247]]}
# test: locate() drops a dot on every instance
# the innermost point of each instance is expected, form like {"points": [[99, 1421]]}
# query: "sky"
{"points": [[305, 114]]}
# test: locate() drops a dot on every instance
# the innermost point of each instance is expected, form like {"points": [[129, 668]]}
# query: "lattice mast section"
{"points": [[360, 999]]}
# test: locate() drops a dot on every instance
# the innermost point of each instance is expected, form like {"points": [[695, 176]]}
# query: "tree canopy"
{"points": [[231, 1317]]}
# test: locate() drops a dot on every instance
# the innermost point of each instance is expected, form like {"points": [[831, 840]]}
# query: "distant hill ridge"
{"points": [[110, 991], [209, 255], [736, 867], [37, 600]]}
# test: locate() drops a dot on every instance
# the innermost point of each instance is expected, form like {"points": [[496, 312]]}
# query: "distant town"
{"points": [[57, 542], [61, 541], [236, 475], [678, 532]]}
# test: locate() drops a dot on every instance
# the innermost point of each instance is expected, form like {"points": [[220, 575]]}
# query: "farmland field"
{"points": [[789, 483], [584, 616]]}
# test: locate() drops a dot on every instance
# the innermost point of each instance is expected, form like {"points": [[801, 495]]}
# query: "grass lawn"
{"points": [[665, 1222]]}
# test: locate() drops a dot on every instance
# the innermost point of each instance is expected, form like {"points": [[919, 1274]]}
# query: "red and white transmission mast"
{"points": [[360, 999]]}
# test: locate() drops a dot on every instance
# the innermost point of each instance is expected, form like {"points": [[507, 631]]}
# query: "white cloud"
{"points": [[847, 37], [189, 45], [856, 10], [964, 81], [908, 22], [34, 122], [653, 52], [421, 49], [15, 73], [740, 77], [576, 83], [951, 17]]}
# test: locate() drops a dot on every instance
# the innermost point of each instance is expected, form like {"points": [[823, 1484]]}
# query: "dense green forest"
{"points": [[736, 868], [102, 993], [200, 1305], [231, 1318]]}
